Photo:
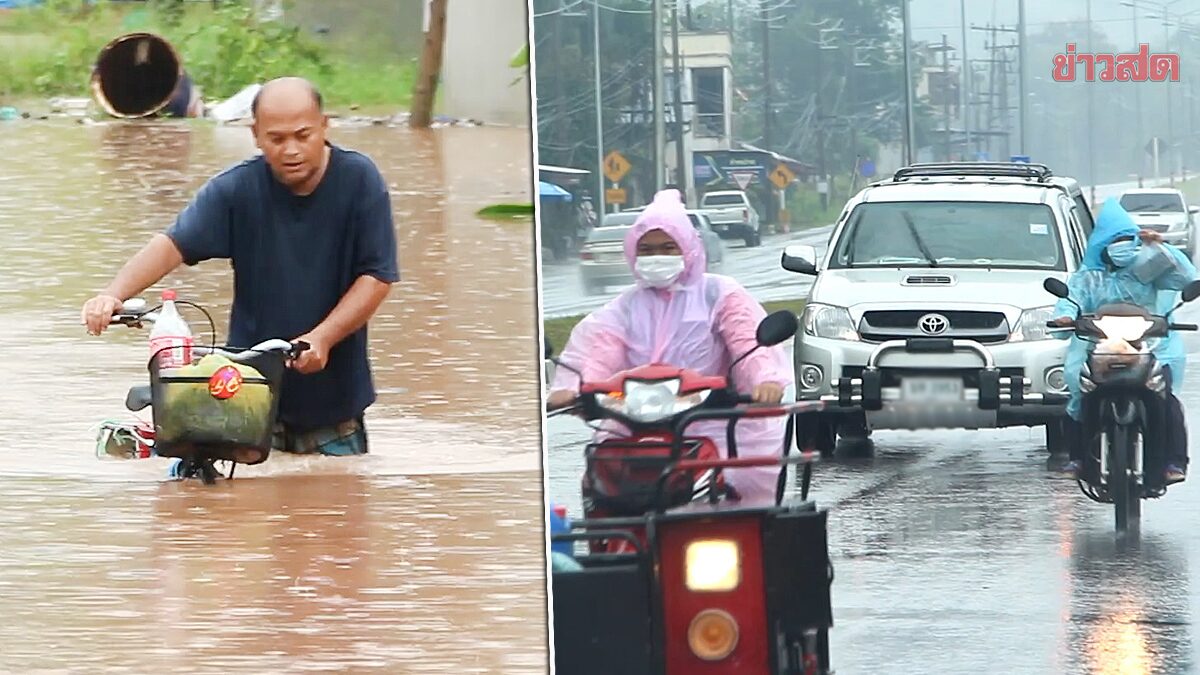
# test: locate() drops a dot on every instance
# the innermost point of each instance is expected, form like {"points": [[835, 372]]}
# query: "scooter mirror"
{"points": [[777, 328], [1191, 291], [1056, 287]]}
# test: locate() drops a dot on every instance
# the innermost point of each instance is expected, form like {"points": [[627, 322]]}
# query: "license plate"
{"points": [[937, 389]]}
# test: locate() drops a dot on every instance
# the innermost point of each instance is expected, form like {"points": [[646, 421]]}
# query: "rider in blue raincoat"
{"points": [[1122, 264]]}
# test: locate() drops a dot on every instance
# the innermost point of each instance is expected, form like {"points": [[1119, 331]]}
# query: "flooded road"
{"points": [[958, 552], [424, 557]]}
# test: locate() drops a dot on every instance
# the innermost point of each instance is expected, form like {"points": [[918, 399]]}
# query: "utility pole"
{"points": [[965, 80], [766, 39], [1000, 71], [1004, 108], [820, 116], [601, 202], [1023, 62], [680, 170], [425, 87], [1091, 116], [659, 102], [946, 97], [1171, 155], [1137, 100], [909, 126]]}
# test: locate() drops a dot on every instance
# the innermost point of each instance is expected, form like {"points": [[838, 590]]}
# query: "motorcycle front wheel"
{"points": [[1122, 480]]}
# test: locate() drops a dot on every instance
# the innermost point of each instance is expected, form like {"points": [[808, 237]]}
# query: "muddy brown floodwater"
{"points": [[424, 557]]}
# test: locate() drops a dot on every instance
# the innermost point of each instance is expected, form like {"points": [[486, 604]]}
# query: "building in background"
{"points": [[477, 80]]}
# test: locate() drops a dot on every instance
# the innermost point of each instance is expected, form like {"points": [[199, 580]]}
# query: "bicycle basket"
{"points": [[215, 407]]}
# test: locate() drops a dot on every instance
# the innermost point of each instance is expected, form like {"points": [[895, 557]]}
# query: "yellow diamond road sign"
{"points": [[616, 166], [782, 176]]}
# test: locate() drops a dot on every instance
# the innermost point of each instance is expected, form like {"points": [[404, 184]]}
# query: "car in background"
{"points": [[1164, 210], [602, 257], [927, 311], [732, 215]]}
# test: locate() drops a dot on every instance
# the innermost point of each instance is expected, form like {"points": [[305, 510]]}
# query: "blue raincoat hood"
{"points": [[1113, 221]]}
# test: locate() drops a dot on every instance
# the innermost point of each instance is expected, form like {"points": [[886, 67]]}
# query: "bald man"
{"points": [[308, 229]]}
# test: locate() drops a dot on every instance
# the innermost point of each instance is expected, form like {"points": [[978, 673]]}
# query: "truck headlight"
{"points": [[828, 321], [713, 565], [1032, 325]]}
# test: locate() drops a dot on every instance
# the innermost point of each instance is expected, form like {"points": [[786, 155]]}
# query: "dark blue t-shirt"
{"points": [[293, 259]]}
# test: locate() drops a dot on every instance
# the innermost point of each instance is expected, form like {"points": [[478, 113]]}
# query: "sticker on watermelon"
{"points": [[225, 383]]}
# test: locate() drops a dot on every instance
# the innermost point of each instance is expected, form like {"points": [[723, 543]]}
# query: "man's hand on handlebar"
{"points": [[314, 358], [98, 312], [562, 398], [769, 393], [1063, 322]]}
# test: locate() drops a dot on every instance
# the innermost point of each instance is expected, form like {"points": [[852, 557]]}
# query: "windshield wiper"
{"points": [[912, 229]]}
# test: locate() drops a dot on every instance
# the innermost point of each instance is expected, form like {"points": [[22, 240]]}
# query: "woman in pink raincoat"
{"points": [[679, 315]]}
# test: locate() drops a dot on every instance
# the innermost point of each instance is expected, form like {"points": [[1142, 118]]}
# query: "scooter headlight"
{"points": [[1127, 328], [713, 565], [652, 401]]}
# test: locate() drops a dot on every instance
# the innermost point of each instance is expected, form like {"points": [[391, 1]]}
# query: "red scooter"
{"points": [[682, 575]]}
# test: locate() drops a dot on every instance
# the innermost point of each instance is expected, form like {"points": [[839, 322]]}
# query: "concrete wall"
{"points": [[482, 36]]}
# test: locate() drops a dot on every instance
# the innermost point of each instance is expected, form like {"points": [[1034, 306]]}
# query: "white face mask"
{"points": [[660, 271]]}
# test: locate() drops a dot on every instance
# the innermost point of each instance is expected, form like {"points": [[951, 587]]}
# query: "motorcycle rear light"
{"points": [[712, 635]]}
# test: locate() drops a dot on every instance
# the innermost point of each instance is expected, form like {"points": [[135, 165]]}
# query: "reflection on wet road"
{"points": [[957, 552], [424, 557]]}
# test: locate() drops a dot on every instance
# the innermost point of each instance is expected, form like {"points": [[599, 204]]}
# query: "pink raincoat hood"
{"points": [[703, 322], [667, 213]]}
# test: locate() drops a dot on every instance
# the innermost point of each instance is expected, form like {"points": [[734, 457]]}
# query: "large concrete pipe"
{"points": [[137, 75]]}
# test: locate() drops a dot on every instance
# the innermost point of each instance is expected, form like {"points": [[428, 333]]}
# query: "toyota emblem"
{"points": [[933, 324]]}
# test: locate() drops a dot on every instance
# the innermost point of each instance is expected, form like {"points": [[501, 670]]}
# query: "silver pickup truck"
{"points": [[732, 216], [928, 310]]}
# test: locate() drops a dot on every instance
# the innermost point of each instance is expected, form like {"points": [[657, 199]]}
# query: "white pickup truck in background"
{"points": [[732, 216]]}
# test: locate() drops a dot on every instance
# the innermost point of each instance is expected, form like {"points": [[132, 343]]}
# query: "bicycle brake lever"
{"points": [[298, 348]]}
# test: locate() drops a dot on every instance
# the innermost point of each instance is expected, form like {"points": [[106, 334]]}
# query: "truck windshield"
{"points": [[950, 234], [1162, 202]]}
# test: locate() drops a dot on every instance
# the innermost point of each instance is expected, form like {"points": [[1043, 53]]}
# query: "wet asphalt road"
{"points": [[958, 552]]}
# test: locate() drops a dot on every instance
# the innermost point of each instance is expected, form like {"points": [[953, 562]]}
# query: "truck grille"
{"points": [[986, 327]]}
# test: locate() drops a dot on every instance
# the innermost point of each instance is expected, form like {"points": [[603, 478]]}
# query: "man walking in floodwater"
{"points": [[308, 229]]}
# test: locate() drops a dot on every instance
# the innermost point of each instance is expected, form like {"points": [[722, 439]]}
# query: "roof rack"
{"points": [[1039, 172]]}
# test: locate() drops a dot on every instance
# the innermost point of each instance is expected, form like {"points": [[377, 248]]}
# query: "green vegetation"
{"points": [[559, 329], [51, 49], [506, 211], [1190, 189]]}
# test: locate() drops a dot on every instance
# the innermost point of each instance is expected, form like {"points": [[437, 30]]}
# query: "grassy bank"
{"points": [[559, 329], [50, 50]]}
